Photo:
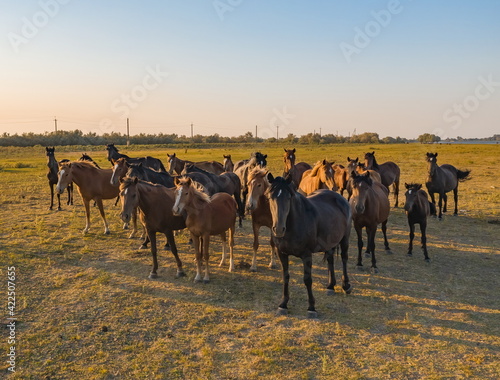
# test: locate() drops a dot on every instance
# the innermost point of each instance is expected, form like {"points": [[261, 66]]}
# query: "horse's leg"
{"points": [[423, 227], [396, 192], [371, 246], [86, 203], [433, 201], [68, 189], [59, 202], [386, 242], [197, 250], [307, 261], [145, 242], [455, 197], [331, 274], [445, 199], [282, 308], [241, 208], [344, 247], [440, 205], [206, 257], [231, 248], [255, 228], [103, 216], [51, 185], [117, 200], [134, 223], [412, 235], [224, 249], [359, 232], [170, 238], [274, 254], [152, 239]]}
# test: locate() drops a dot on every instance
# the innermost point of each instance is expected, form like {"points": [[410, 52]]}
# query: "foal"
{"points": [[206, 216], [418, 208], [53, 166]]}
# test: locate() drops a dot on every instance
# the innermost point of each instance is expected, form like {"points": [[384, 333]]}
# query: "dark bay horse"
{"points": [[150, 162], [226, 182], [389, 173], [293, 169], [304, 225], [53, 166], [242, 169], [442, 179], [228, 163], [122, 168], [176, 165], [92, 183], [258, 205], [418, 208], [155, 203], [86, 157], [321, 176], [370, 207], [206, 216]]}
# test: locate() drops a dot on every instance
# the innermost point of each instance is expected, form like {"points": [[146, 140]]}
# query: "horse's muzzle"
{"points": [[279, 232], [125, 217], [59, 189]]}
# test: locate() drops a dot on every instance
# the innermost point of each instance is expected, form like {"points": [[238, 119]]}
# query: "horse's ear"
{"points": [[168, 155], [140, 164], [407, 186], [436, 155], [357, 159], [348, 158], [293, 150], [324, 161], [188, 181], [373, 153], [419, 186], [176, 181], [270, 177], [285, 150], [265, 155]]}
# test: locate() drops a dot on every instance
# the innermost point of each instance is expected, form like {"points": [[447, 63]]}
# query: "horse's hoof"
{"points": [[388, 251], [312, 314], [368, 254], [197, 280], [282, 311], [427, 260], [253, 270], [409, 254], [59, 208], [455, 214], [143, 247], [167, 246], [347, 288], [180, 274], [360, 268], [374, 269], [206, 281], [440, 219], [153, 275], [330, 292], [106, 232]]}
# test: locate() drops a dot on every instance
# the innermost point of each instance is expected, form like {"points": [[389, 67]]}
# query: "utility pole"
{"points": [[128, 133], [191, 131], [277, 137], [320, 133], [55, 123], [255, 133]]}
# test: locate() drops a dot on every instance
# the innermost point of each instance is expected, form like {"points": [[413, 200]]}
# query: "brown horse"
{"points": [[177, 165], [321, 176], [293, 169], [258, 205], [360, 168], [304, 225], [53, 166], [150, 162], [442, 179], [206, 216], [243, 168], [340, 178], [155, 203], [228, 163], [389, 173], [92, 183], [370, 206], [418, 208]]}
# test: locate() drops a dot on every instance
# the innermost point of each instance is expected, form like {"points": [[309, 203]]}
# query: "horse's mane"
{"points": [[375, 163], [362, 178], [129, 181], [280, 183], [79, 164], [414, 185], [317, 166], [257, 172]]}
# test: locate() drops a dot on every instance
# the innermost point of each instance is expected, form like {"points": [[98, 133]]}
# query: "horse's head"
{"points": [[361, 184], [351, 164], [172, 161], [119, 171], [49, 152], [129, 197], [188, 168], [289, 159], [260, 159], [280, 195], [370, 160], [64, 176], [326, 174], [182, 194], [228, 163], [411, 195], [431, 158], [361, 167], [257, 186]]}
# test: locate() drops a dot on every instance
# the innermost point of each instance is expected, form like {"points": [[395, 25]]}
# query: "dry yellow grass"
{"points": [[86, 308]]}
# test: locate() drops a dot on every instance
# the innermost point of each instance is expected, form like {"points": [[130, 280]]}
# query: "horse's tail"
{"points": [[432, 208], [463, 175]]}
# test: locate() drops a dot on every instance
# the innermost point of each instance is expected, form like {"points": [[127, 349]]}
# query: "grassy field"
{"points": [[86, 308]]}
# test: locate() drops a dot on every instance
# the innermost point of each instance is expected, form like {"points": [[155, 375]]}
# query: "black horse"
{"points": [[304, 225], [146, 174], [442, 179], [86, 157], [418, 208], [53, 166], [150, 162]]}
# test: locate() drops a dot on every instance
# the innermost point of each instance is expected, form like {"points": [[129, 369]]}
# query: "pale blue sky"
{"points": [[419, 66]]}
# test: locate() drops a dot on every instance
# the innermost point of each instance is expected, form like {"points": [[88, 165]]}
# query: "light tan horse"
{"points": [[206, 216], [92, 182], [321, 176]]}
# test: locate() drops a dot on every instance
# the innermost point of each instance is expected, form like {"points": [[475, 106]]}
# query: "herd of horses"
{"points": [[304, 208]]}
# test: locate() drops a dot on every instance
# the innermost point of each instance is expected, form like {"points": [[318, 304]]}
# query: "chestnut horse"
{"points": [[92, 183], [258, 205], [321, 176], [304, 225], [389, 173], [442, 179], [155, 203], [228, 163], [177, 165], [370, 206], [53, 166], [206, 216], [293, 169], [418, 208], [150, 162]]}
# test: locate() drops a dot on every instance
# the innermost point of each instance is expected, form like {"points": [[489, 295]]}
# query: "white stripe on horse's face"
{"points": [[62, 172], [279, 193], [409, 191], [116, 166], [126, 191]]}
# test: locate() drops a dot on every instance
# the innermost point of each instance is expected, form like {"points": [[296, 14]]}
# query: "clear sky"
{"points": [[398, 68]]}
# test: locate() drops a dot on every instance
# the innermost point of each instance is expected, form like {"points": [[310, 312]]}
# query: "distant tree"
{"points": [[428, 138]]}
